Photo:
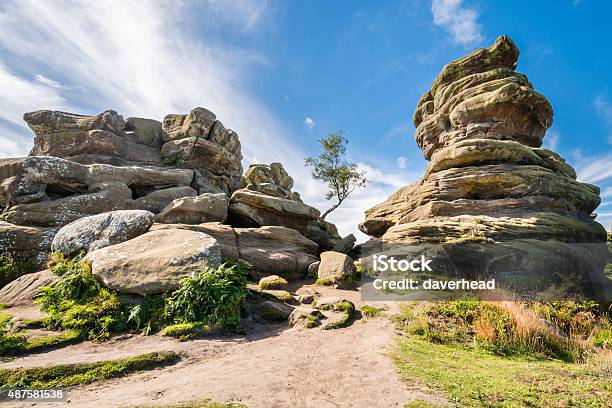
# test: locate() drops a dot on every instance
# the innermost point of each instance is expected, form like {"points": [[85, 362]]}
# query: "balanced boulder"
{"points": [[154, 262], [490, 193]]}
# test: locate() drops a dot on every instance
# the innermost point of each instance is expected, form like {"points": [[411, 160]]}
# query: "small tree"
{"points": [[341, 177]]}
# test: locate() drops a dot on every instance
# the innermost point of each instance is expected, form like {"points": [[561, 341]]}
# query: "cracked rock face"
{"points": [[481, 126]]}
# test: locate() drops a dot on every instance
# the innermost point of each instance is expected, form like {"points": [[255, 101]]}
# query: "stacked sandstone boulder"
{"points": [[481, 126], [148, 202]]}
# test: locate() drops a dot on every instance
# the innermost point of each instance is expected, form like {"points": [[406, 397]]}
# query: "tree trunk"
{"points": [[332, 208]]}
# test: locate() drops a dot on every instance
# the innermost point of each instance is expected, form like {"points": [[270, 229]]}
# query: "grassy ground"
{"points": [[484, 354], [73, 374], [476, 378]]}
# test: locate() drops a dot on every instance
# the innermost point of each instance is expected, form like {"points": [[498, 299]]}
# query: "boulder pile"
{"points": [[481, 126], [149, 202]]}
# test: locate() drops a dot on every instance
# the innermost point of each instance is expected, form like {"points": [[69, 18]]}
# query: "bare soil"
{"points": [[272, 366]]}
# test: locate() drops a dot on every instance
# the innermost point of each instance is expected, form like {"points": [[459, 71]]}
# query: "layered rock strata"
{"points": [[481, 126]]}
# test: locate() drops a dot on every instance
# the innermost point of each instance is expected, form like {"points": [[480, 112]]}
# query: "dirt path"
{"points": [[278, 367]]}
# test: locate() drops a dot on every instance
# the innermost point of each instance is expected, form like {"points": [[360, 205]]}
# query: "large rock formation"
{"points": [[481, 126], [86, 165], [266, 199]]}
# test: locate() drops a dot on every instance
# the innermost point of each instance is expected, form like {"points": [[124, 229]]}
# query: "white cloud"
{"points": [[551, 140], [594, 169], [138, 58], [402, 162], [604, 109], [309, 123], [461, 22], [17, 96], [47, 81], [381, 184]]}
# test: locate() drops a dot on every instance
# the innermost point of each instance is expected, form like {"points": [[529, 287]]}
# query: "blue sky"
{"points": [[283, 74]]}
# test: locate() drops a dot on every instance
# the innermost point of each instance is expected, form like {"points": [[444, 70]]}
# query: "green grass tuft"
{"points": [[370, 311], [73, 374]]}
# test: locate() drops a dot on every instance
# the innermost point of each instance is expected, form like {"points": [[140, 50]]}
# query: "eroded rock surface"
{"points": [[154, 262], [481, 126], [102, 230]]}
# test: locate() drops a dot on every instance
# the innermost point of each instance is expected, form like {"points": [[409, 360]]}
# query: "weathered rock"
{"points": [[306, 295], [274, 311], [158, 200], [489, 183], [105, 138], [334, 267], [54, 213], [324, 233], [272, 281], [271, 250], [224, 234], [302, 314], [27, 243], [345, 244], [143, 131], [276, 250], [101, 230], [154, 262], [270, 180], [254, 209], [197, 123], [195, 210], [313, 268], [25, 288], [197, 141]]}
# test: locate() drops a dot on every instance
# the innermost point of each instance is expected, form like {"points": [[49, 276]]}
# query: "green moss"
{"points": [[271, 284], [370, 311], [185, 331], [281, 295], [16, 344], [68, 375], [419, 403], [12, 268], [347, 309], [326, 282], [477, 378], [477, 239]]}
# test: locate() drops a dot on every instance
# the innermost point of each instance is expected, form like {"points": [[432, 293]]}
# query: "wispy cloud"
{"points": [[17, 96], [402, 162], [604, 109], [461, 22], [139, 58], [551, 140], [309, 123]]}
